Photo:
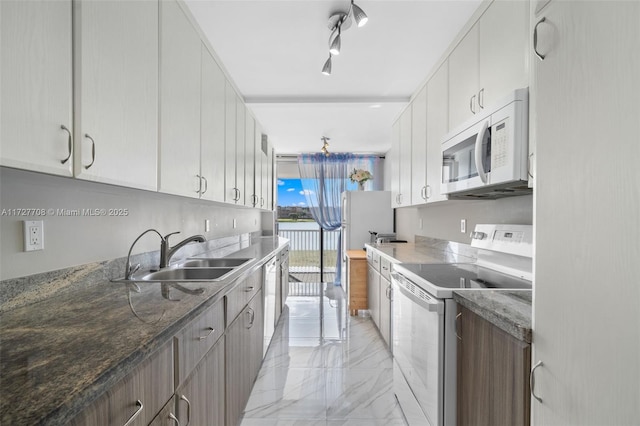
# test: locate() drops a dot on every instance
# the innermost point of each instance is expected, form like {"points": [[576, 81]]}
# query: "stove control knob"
{"points": [[478, 235]]}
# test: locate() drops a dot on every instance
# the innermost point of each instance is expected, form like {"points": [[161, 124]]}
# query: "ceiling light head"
{"points": [[326, 69], [325, 145], [359, 15], [334, 49]]}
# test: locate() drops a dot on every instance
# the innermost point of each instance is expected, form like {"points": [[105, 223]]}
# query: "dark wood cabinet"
{"points": [[243, 340], [493, 374]]}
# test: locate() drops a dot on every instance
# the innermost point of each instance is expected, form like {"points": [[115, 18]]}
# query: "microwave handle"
{"points": [[478, 152]]}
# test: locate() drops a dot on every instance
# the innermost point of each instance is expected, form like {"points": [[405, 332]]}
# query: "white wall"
{"points": [[76, 240], [442, 220]]}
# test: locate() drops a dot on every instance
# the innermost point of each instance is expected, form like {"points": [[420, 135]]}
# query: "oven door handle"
{"points": [[431, 305]]}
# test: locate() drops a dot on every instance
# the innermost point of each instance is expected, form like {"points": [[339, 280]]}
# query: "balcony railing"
{"points": [[304, 254]]}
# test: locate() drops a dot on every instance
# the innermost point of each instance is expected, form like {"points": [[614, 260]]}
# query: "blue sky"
{"points": [[290, 193]]}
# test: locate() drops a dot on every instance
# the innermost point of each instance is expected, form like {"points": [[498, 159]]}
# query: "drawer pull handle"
{"points": [[211, 331], [136, 414], [457, 325], [174, 418], [184, 398], [532, 381], [249, 289]]}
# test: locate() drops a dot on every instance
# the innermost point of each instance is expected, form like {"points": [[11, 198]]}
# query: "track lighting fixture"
{"points": [[325, 144], [338, 22]]}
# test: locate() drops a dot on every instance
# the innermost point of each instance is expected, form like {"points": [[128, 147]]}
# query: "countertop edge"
{"points": [[506, 321]]}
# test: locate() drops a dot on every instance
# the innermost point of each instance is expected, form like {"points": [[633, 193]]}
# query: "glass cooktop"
{"points": [[457, 276]]}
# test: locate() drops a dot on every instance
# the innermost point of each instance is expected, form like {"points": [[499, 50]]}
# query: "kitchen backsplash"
{"points": [[72, 240]]}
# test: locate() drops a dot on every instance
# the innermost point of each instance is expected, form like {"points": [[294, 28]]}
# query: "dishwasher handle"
{"points": [[416, 294]]}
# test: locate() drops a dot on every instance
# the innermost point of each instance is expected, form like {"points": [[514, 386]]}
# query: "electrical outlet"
{"points": [[33, 235], [207, 225], [420, 223], [463, 225], [235, 224]]}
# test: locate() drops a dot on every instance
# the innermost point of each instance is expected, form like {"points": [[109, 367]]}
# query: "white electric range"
{"points": [[424, 317]]}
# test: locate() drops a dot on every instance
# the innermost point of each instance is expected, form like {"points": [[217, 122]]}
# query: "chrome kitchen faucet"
{"points": [[166, 252]]}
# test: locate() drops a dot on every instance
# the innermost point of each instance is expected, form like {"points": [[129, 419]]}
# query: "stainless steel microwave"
{"points": [[487, 156]]}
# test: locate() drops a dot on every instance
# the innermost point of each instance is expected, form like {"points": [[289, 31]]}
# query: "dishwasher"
{"points": [[270, 305]]}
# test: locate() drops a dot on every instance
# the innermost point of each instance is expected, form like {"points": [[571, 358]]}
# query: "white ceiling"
{"points": [[273, 50]]}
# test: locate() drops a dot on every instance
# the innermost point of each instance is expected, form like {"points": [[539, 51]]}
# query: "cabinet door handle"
{"points": [[136, 414], [471, 104], [70, 141], [481, 98], [184, 398], [174, 418], [535, 39], [457, 324], [532, 381], [423, 192], [249, 289], [261, 201], [206, 185], [93, 150], [199, 190], [428, 192], [529, 165], [252, 317], [211, 331]]}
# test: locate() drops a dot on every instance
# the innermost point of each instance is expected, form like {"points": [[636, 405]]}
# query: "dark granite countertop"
{"points": [[509, 310], [58, 354]]}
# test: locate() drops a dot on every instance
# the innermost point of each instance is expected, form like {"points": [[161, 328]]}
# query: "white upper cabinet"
{"points": [[212, 129], [504, 50], [240, 151], [179, 103], [463, 79], [231, 192], [437, 125], [250, 159], [490, 61], [404, 194], [116, 94], [393, 156], [36, 86], [419, 148]]}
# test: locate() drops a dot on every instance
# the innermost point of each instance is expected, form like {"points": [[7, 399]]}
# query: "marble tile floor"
{"points": [[324, 368]]}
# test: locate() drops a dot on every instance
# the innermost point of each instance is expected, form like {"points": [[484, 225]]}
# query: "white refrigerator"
{"points": [[363, 211]]}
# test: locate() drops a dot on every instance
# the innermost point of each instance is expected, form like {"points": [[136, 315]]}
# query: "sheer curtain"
{"points": [[324, 178]]}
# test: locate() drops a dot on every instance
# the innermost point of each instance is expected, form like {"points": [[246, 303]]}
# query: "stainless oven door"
{"points": [[418, 350]]}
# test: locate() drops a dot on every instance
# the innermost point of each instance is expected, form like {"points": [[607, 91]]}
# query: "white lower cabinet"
{"points": [[36, 85]]}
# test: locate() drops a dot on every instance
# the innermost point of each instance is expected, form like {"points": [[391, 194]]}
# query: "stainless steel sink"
{"points": [[188, 274], [214, 262]]}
